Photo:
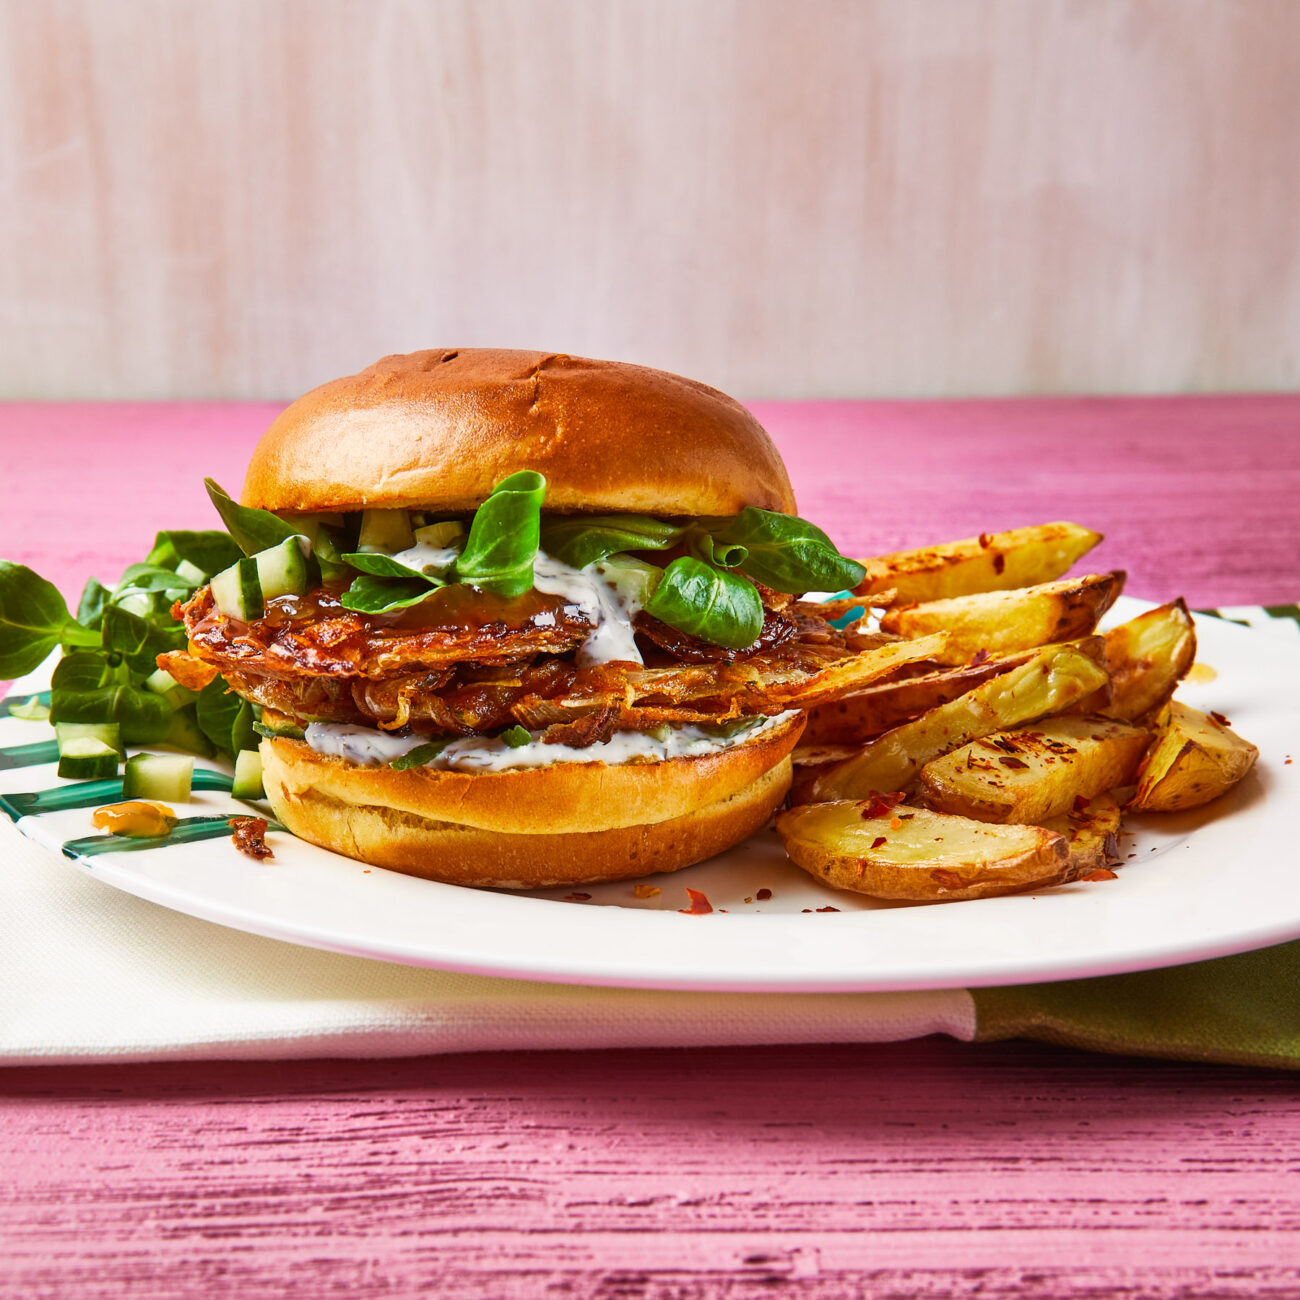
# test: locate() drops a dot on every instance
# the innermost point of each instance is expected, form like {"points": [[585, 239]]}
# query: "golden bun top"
{"points": [[438, 430]]}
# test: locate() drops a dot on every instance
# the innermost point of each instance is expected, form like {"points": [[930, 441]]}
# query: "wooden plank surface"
{"points": [[1196, 496], [927, 1169], [244, 198]]}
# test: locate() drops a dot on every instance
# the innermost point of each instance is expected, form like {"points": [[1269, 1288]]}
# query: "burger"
{"points": [[519, 619]]}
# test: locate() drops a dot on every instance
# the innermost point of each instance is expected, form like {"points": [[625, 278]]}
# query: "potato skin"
{"points": [[913, 855], [1002, 622], [1195, 759], [1091, 834], [859, 717], [1146, 658]]}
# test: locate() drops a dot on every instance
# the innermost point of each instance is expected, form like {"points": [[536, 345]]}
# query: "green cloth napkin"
{"points": [[1242, 1010]]}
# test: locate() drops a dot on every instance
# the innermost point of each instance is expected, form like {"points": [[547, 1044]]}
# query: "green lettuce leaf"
{"points": [[785, 552], [580, 540], [225, 719], [252, 530], [89, 687], [385, 566], [90, 608], [139, 641], [33, 619], [504, 536], [712, 604], [374, 595], [209, 550]]}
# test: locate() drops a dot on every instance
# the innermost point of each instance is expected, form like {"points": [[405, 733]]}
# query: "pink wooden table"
{"points": [[923, 1169]]}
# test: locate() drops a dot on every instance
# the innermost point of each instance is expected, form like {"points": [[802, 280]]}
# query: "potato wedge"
{"points": [[916, 855], [1035, 772], [1019, 557], [1195, 758], [1000, 622], [1146, 658], [1051, 680], [1091, 833], [855, 719], [810, 761]]}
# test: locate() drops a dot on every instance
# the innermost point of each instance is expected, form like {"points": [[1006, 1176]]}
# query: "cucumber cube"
{"points": [[158, 776], [248, 775], [282, 570], [237, 591], [386, 531]]}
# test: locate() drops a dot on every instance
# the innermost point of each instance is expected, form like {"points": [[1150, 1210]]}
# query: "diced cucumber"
{"points": [[163, 683], [248, 775], [282, 570], [386, 531], [31, 710], [158, 776], [191, 573], [237, 592], [106, 733], [86, 759], [440, 535]]}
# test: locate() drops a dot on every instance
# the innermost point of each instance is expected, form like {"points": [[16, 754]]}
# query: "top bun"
{"points": [[438, 430]]}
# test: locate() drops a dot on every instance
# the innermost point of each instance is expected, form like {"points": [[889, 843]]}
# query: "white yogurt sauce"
{"points": [[369, 747], [609, 603], [427, 559]]}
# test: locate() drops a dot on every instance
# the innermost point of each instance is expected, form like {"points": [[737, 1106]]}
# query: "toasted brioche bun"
{"points": [[565, 824], [439, 429]]}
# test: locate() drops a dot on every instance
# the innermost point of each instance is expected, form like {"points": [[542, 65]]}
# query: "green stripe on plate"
{"points": [[87, 794], [188, 830], [21, 697], [39, 751], [1284, 611]]}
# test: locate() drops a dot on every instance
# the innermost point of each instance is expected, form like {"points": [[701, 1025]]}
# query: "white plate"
{"points": [[1197, 885]]}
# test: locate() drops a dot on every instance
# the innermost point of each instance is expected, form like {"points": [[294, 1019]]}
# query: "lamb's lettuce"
{"points": [[785, 552], [580, 540], [503, 539], [252, 530], [712, 604]]}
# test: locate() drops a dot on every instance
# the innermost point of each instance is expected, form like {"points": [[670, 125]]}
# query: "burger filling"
{"points": [[515, 638]]}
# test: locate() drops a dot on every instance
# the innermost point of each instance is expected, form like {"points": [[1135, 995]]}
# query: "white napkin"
{"points": [[93, 974]]}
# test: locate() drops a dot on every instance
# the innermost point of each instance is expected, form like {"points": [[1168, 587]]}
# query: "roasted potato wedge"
{"points": [[1146, 658], [810, 761], [1000, 622], [1195, 758], [858, 718], [1020, 557], [1091, 833], [916, 855], [1049, 681], [1035, 772]]}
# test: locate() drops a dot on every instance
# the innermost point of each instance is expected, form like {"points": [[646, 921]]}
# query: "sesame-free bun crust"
{"points": [[439, 429], [565, 824]]}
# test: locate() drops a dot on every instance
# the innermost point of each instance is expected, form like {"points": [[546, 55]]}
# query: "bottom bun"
{"points": [[688, 809]]}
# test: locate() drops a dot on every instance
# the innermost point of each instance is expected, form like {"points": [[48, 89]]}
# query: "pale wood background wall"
{"points": [[784, 197]]}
